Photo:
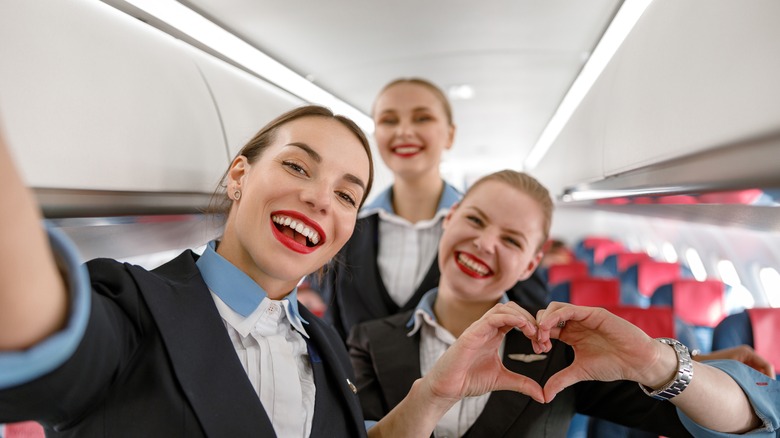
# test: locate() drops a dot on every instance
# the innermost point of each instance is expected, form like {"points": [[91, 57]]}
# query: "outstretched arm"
{"points": [[741, 353], [33, 302], [471, 366], [609, 348]]}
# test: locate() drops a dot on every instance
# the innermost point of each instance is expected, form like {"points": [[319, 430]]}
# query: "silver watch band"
{"points": [[681, 379]]}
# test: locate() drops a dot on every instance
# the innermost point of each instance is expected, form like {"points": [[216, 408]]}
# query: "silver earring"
{"points": [[237, 194]]}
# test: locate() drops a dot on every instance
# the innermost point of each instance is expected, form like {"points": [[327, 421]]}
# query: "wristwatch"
{"points": [[683, 377]]}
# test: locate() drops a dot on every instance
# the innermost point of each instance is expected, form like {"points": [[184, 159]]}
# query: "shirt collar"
{"points": [[424, 311], [235, 288], [384, 201]]}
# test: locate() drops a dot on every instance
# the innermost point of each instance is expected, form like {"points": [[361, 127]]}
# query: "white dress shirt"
{"points": [[275, 357], [268, 337], [406, 250], [434, 341]]}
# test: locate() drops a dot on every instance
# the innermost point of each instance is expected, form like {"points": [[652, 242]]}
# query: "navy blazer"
{"points": [[387, 362], [157, 361], [353, 289]]}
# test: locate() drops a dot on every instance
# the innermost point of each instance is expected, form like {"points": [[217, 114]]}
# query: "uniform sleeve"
{"points": [[763, 393], [18, 367]]}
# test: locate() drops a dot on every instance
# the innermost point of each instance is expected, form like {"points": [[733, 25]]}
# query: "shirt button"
{"points": [[272, 309]]}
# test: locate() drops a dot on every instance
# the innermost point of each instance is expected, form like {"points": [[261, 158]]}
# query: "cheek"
{"points": [[382, 137], [344, 226], [516, 263], [441, 134]]}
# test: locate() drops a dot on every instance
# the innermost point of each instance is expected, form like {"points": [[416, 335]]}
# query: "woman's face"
{"points": [[298, 203], [490, 242], [412, 130]]}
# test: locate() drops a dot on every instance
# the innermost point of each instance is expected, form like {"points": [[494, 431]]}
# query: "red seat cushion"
{"points": [[604, 249], [766, 333], [652, 274], [699, 303], [566, 272], [627, 259], [27, 429], [597, 292], [657, 322]]}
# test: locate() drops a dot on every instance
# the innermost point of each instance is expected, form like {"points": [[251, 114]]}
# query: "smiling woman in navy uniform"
{"points": [[491, 239]]}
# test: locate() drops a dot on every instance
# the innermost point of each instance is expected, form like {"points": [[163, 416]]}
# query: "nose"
{"points": [[317, 196], [404, 129], [486, 242]]}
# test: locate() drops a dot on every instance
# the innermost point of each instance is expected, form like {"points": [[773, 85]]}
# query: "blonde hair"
{"points": [[529, 185], [437, 92]]}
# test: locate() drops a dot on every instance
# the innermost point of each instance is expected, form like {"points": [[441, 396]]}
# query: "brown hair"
{"points": [[220, 203], [529, 185], [423, 83]]}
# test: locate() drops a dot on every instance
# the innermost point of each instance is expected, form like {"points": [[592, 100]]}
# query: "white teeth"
{"points": [[407, 150], [474, 266], [299, 227]]}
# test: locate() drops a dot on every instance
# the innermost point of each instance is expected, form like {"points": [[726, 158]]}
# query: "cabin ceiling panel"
{"points": [[353, 48]]}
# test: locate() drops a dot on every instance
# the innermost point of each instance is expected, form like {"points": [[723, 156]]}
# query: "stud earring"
{"points": [[237, 195]]}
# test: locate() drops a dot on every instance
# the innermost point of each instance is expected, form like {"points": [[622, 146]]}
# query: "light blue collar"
{"points": [[384, 200], [234, 287], [425, 307]]}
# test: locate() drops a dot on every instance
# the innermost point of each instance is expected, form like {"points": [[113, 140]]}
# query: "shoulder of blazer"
{"points": [[185, 318], [388, 323]]}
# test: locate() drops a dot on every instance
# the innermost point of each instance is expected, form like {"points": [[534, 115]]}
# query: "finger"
{"points": [[528, 324], [509, 381], [500, 322], [560, 381], [528, 328], [762, 365], [551, 323], [516, 307], [557, 312]]}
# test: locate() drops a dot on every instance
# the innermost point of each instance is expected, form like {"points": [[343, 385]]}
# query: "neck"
{"points": [[457, 315], [275, 288], [417, 200]]}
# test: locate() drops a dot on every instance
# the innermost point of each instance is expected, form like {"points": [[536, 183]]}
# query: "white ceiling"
{"points": [[520, 57]]}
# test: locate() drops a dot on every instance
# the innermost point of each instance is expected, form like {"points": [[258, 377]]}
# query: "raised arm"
{"points": [[609, 348], [33, 302], [471, 366]]}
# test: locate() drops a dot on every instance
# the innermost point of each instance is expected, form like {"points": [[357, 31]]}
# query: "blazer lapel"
{"points": [[328, 365], [202, 356], [397, 376], [364, 270]]}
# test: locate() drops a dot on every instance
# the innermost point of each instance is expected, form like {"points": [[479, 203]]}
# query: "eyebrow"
{"points": [[306, 148], [508, 230], [318, 158]]}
